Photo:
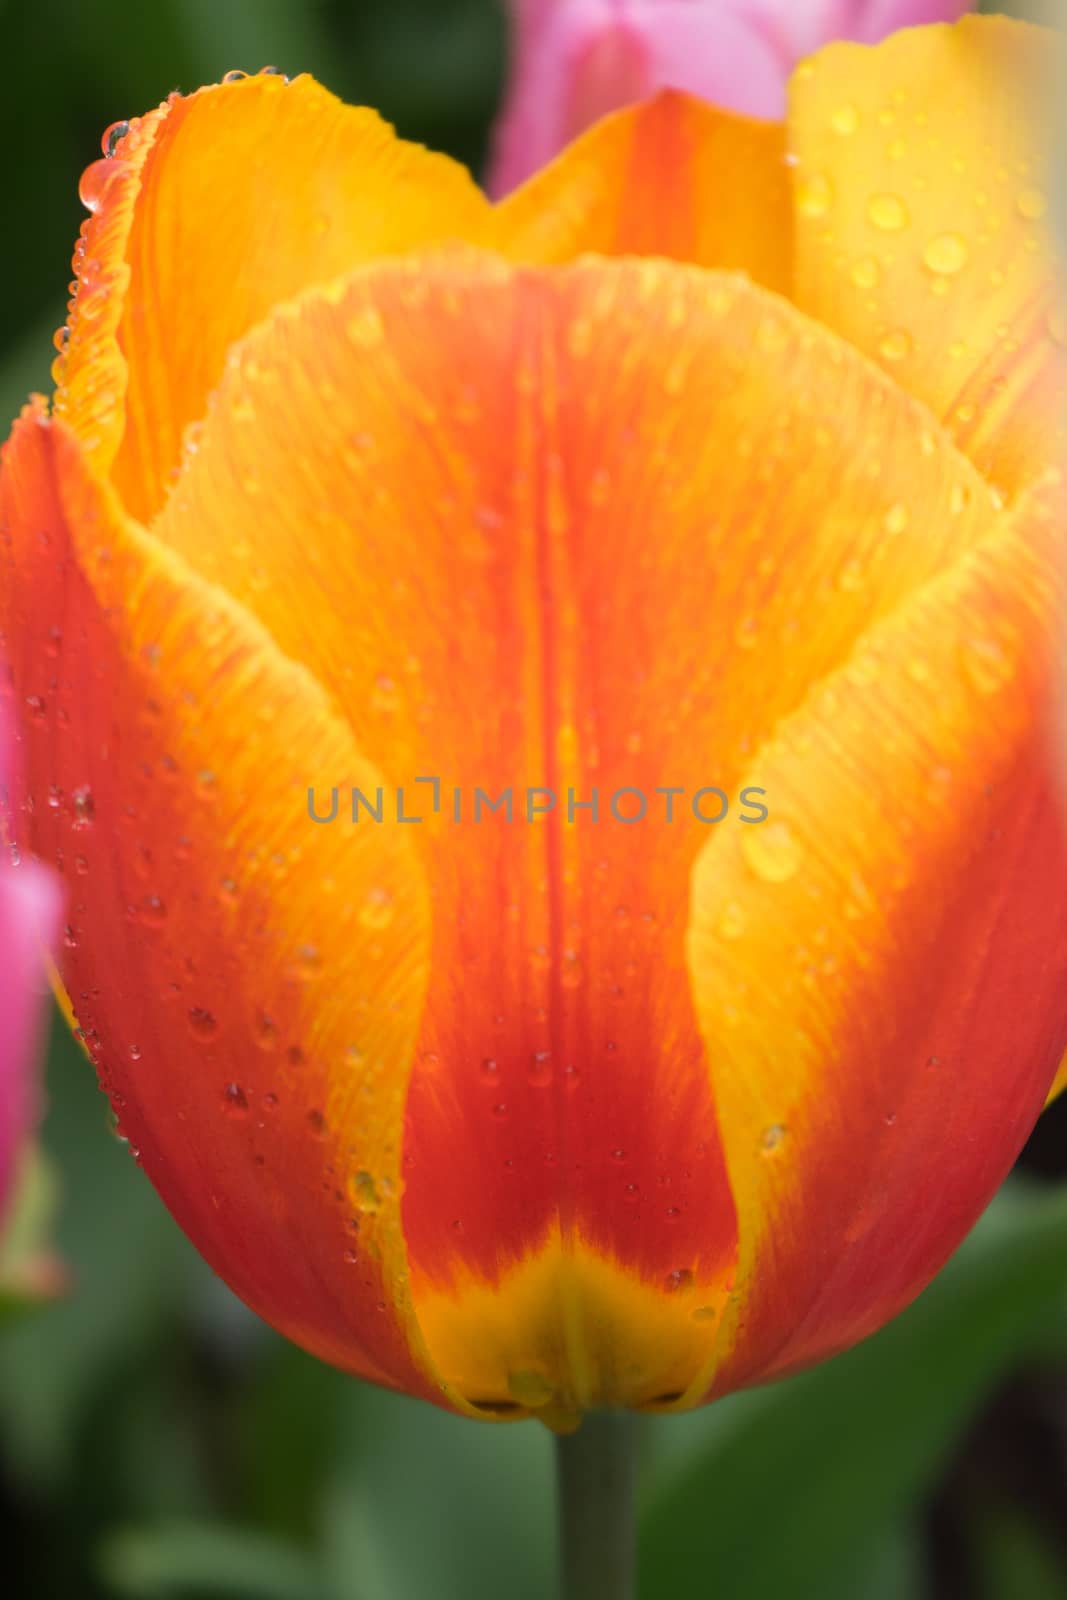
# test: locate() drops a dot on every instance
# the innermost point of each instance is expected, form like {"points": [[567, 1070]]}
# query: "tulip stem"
{"points": [[595, 1477]]}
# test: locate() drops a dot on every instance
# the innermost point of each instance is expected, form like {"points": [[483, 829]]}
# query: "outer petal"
{"points": [[921, 230], [210, 211], [250, 1008], [673, 177], [860, 973], [474, 491]]}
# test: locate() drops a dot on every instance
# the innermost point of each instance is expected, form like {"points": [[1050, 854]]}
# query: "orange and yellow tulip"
{"points": [[720, 455]]}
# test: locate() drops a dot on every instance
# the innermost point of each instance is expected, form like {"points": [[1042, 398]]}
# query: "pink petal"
{"points": [[29, 911]]}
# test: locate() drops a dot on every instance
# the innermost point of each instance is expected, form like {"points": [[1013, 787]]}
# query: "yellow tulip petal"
{"points": [[922, 228], [672, 177], [210, 212]]}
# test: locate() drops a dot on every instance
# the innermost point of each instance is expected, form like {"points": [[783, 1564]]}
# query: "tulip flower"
{"points": [[717, 465], [28, 907], [575, 60]]}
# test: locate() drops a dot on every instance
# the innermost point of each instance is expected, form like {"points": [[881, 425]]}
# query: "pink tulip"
{"points": [[29, 907], [575, 60]]}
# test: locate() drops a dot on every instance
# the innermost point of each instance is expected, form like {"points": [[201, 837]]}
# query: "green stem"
{"points": [[595, 1476]]}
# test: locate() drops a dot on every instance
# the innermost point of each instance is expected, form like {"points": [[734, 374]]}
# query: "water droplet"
{"points": [[202, 1023], [377, 910], [866, 273], [490, 1069], [113, 137], [539, 1072], [1032, 204], [815, 195], [896, 518], [946, 255], [618, 1155], [887, 212], [500, 1109], [895, 345], [530, 1387], [153, 911], [771, 851], [731, 923], [35, 706], [134, 1052], [234, 1100], [83, 806], [678, 1281], [364, 1193], [772, 1138], [317, 1123], [234, 75], [845, 120]]}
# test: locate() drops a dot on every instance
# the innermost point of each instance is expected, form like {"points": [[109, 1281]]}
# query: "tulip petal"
{"points": [[462, 494], [673, 177], [210, 211], [873, 1073], [250, 1008], [921, 232]]}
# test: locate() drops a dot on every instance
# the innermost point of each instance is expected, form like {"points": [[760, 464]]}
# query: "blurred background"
{"points": [[156, 1440]]}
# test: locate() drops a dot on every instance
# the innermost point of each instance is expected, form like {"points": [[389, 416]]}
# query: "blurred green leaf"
{"points": [[289, 1422], [1015, 1558], [427, 1506], [30, 1274], [209, 1560], [783, 1489], [128, 1265]]}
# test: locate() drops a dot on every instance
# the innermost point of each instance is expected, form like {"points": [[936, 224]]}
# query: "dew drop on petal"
{"points": [[895, 345], [771, 851], [202, 1023], [234, 1100], [530, 1387], [866, 272], [678, 1281], [888, 213], [364, 1193], [377, 910], [946, 255], [113, 137], [815, 195]]}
